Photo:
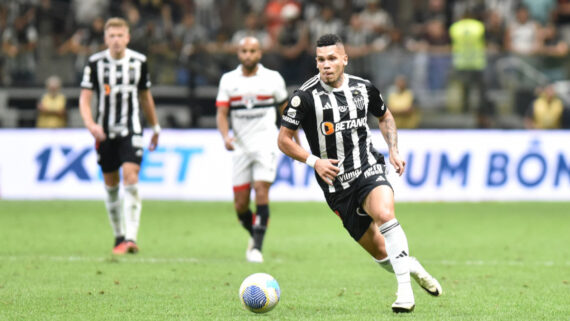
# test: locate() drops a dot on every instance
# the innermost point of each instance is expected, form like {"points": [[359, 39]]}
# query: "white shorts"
{"points": [[253, 167]]}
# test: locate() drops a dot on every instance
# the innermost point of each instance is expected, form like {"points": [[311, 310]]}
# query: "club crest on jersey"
{"points": [[249, 101], [358, 99]]}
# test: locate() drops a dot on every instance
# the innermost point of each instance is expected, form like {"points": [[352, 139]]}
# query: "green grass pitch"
{"points": [[495, 261]]}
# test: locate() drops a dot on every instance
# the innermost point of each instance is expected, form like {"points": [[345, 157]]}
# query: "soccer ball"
{"points": [[259, 293]]}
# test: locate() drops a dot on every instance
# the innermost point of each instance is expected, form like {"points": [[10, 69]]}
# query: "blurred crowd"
{"points": [[192, 42]]}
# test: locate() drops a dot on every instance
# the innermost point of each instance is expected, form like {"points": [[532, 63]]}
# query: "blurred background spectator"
{"points": [[402, 104], [469, 63], [51, 108], [19, 42], [546, 110], [520, 45]]}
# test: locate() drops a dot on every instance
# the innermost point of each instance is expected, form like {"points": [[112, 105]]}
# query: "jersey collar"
{"points": [[330, 88], [108, 54], [259, 67]]}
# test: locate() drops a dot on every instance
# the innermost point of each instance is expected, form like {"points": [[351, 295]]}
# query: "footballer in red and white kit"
{"points": [[249, 97], [252, 101]]}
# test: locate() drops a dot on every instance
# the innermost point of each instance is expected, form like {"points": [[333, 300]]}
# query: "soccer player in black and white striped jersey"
{"points": [[332, 108], [120, 79]]}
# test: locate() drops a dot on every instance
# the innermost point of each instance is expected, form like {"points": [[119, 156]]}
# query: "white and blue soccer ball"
{"points": [[259, 293]]}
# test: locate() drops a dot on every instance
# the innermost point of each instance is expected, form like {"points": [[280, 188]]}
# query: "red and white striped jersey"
{"points": [[252, 101]]}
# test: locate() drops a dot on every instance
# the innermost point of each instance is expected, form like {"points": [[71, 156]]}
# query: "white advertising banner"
{"points": [[442, 165]]}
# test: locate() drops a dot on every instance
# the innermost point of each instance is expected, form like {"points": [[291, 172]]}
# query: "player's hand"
{"points": [[398, 163], [97, 132], [229, 143], [153, 142], [327, 169]]}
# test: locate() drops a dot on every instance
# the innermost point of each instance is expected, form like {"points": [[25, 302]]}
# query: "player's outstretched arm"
{"points": [[388, 128], [149, 111], [87, 116], [324, 167]]}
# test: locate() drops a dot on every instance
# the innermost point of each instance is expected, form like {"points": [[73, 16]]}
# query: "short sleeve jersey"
{"points": [[252, 101], [117, 84], [335, 123]]}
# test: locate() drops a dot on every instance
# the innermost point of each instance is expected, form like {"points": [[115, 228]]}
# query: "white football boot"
{"points": [[405, 300], [254, 255], [424, 279]]}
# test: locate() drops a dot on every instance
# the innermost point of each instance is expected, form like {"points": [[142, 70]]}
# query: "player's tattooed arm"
{"points": [[388, 128]]}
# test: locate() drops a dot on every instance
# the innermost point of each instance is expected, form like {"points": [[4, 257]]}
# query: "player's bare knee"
{"points": [[241, 205], [261, 192], [130, 179], [386, 213]]}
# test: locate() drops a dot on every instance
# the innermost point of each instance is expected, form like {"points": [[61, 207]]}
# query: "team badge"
{"points": [[249, 101], [295, 101], [359, 102]]}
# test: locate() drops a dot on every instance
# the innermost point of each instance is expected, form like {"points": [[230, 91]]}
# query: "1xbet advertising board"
{"points": [[442, 165]]}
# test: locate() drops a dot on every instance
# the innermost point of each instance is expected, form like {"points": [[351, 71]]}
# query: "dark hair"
{"points": [[328, 40]]}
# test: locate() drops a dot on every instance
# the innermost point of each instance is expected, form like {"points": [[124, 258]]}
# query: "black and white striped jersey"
{"points": [[335, 123], [117, 84]]}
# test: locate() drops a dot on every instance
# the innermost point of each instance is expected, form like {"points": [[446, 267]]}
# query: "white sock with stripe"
{"points": [[113, 205], [398, 253], [132, 206]]}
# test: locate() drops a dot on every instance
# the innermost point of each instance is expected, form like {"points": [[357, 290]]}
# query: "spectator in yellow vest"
{"points": [[402, 104], [51, 108], [546, 111], [469, 62]]}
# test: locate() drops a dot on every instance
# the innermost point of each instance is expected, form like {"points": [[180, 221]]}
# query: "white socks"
{"points": [[132, 206], [385, 264], [398, 253], [415, 266], [113, 205]]}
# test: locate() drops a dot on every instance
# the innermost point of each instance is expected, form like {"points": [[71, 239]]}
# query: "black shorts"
{"points": [[112, 153], [347, 204]]}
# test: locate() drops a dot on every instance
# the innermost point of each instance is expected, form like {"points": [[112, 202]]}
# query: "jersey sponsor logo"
{"points": [[342, 108], [329, 128], [349, 176], [247, 116], [374, 170], [291, 112], [290, 120], [295, 101], [107, 89], [137, 141]]}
